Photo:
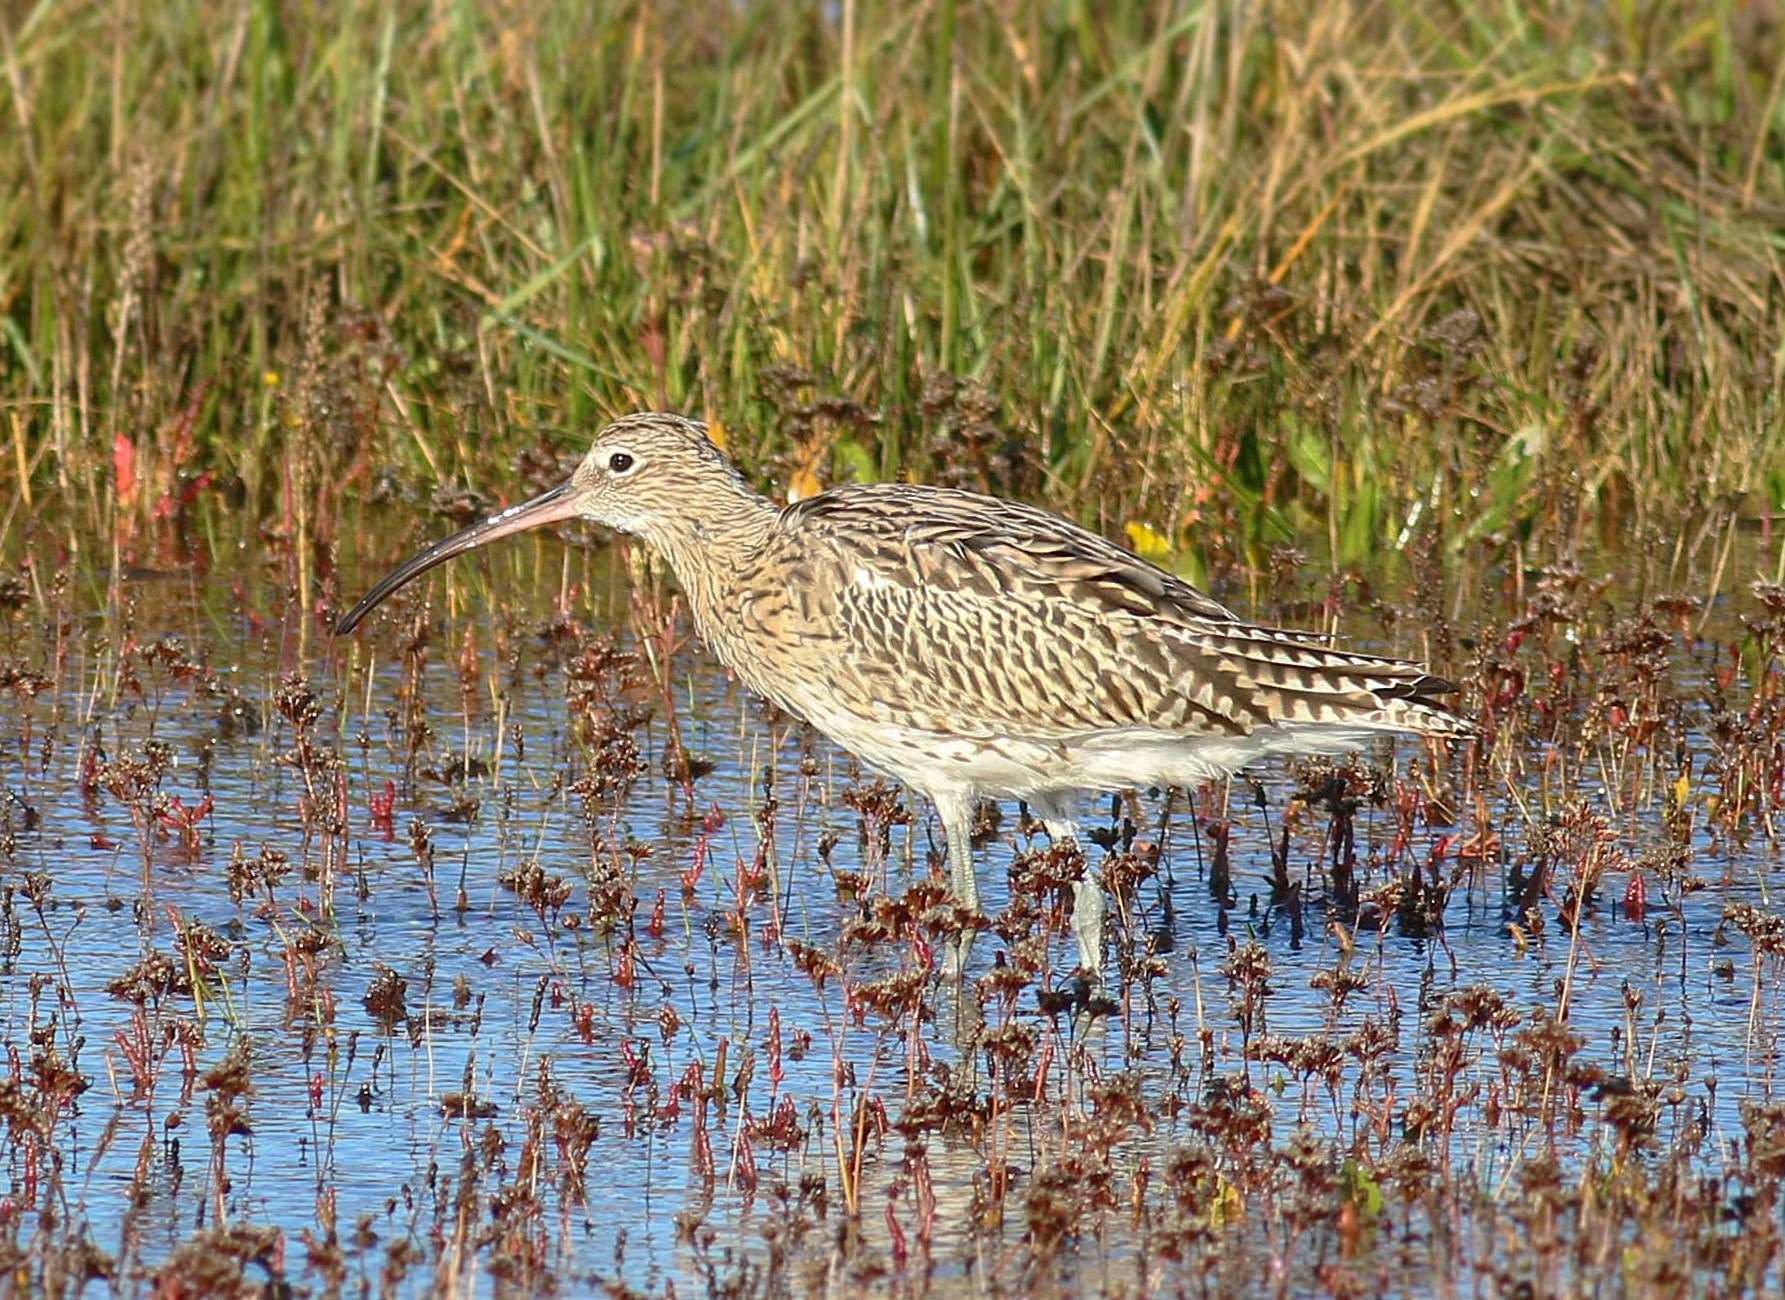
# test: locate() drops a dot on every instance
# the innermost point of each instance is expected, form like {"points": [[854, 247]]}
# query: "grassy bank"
{"points": [[1360, 276]]}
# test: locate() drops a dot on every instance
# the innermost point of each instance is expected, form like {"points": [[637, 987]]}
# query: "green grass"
{"points": [[1357, 276]]}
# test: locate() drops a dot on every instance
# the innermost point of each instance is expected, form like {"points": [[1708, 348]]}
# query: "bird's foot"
{"points": [[1097, 998], [1095, 1007], [1085, 996]]}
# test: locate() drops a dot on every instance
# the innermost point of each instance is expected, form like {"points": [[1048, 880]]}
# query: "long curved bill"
{"points": [[548, 508]]}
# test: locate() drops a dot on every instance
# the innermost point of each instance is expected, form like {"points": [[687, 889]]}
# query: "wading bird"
{"points": [[969, 646]]}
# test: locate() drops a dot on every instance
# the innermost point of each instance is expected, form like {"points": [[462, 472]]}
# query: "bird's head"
{"points": [[643, 470], [644, 475]]}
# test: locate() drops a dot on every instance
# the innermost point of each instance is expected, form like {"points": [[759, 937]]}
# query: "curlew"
{"points": [[969, 646]]}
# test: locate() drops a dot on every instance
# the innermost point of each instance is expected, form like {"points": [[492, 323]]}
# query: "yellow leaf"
{"points": [[716, 431], [1681, 788], [803, 484], [1148, 542], [1226, 1206]]}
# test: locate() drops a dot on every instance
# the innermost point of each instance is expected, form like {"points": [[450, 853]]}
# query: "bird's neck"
{"points": [[711, 543]]}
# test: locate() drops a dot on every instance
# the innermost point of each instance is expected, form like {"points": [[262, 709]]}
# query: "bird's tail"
{"points": [[1313, 684], [1427, 717]]}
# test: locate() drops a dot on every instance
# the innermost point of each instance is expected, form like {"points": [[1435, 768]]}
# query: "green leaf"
{"points": [[1309, 456], [1361, 1188], [1361, 526], [862, 467]]}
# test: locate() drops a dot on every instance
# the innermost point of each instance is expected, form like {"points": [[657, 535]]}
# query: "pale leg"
{"points": [[956, 812], [1087, 894]]}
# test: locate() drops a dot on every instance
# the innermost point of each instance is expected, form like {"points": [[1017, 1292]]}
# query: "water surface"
{"points": [[526, 1009]]}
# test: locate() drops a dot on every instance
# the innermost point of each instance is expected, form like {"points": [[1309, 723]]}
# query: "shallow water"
{"points": [[353, 1126]]}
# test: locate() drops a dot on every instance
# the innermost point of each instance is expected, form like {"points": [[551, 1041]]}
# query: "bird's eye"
{"points": [[620, 462]]}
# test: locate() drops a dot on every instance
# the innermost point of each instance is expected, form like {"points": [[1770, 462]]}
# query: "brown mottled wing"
{"points": [[996, 548], [967, 615]]}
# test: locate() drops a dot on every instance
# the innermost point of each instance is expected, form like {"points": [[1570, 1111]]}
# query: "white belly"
{"points": [[1014, 767]]}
